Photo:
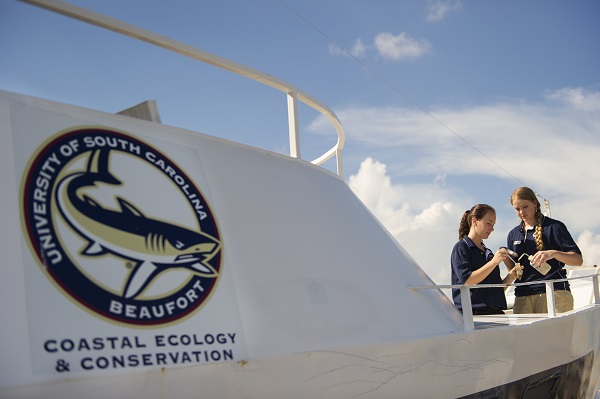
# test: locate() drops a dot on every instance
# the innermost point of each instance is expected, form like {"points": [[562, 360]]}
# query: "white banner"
{"points": [[123, 257]]}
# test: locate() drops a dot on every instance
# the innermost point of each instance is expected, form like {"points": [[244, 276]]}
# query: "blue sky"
{"points": [[445, 103]]}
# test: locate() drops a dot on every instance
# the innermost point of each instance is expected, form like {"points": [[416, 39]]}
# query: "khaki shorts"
{"points": [[537, 303]]}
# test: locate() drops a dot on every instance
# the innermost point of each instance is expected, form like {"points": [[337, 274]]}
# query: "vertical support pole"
{"points": [[465, 299], [550, 299], [596, 289], [338, 160], [293, 125]]}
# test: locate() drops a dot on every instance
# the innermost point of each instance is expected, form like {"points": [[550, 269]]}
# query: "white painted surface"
{"points": [[447, 366], [321, 289], [310, 268]]}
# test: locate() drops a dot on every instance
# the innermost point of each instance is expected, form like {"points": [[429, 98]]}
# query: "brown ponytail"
{"points": [[465, 225]]}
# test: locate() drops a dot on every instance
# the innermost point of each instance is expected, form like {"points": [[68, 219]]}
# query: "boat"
{"points": [[146, 260]]}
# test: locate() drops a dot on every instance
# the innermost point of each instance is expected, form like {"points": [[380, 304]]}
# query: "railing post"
{"points": [[465, 299], [338, 160], [293, 124], [596, 289], [550, 299]]}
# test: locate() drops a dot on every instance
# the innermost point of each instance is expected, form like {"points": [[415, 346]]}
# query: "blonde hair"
{"points": [[527, 194], [478, 212]]}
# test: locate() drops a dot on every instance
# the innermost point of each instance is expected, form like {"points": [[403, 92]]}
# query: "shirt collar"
{"points": [[523, 224], [470, 242]]}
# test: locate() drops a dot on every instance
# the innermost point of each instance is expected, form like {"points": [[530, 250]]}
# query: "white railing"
{"points": [[293, 94], [465, 294]]}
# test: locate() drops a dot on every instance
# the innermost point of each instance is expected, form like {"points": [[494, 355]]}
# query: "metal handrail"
{"points": [[465, 294], [293, 93]]}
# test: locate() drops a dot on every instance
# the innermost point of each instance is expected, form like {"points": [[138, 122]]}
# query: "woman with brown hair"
{"points": [[473, 263], [547, 241]]}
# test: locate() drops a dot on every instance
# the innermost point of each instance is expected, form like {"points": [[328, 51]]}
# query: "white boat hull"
{"points": [[503, 360]]}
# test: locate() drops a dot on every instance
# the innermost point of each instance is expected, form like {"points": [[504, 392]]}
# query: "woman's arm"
{"points": [[478, 275], [568, 258], [511, 276]]}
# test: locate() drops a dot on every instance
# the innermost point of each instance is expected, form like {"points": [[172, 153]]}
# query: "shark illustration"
{"points": [[152, 245]]}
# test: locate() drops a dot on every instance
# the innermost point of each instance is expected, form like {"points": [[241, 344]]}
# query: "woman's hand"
{"points": [[541, 257], [516, 272], [500, 256], [513, 274]]}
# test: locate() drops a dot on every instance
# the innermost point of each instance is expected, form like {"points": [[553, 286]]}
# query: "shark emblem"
{"points": [[153, 246]]}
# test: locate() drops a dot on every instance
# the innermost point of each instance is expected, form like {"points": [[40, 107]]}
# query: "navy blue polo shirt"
{"points": [[465, 259], [554, 236]]}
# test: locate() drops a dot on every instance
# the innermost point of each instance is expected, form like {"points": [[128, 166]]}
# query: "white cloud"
{"points": [[430, 176], [541, 144], [576, 98], [439, 9], [358, 50], [400, 47], [418, 217], [589, 243], [373, 186], [388, 46], [334, 49]]}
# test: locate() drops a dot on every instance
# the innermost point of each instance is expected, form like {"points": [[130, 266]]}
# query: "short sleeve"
{"points": [[461, 263]]}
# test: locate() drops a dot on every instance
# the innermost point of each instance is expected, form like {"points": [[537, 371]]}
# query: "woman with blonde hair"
{"points": [[547, 241], [473, 263]]}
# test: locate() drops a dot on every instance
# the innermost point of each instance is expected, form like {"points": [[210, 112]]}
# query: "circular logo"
{"points": [[120, 228]]}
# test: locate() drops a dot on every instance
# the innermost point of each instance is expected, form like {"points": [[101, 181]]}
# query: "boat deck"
{"points": [[509, 319]]}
